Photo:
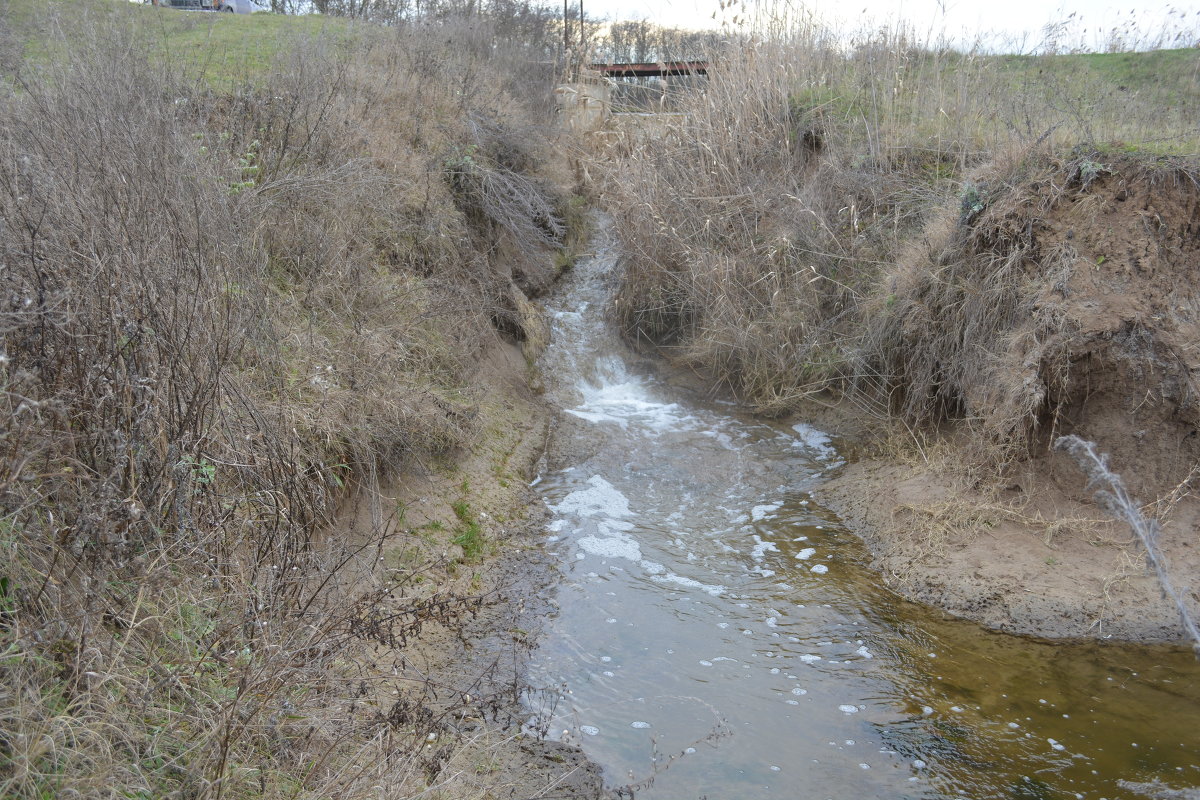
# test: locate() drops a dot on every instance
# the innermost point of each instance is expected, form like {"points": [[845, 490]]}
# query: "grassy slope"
{"points": [[1151, 88], [229, 49], [222, 49]]}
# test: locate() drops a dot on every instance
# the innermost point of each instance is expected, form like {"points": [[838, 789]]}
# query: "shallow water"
{"points": [[718, 633]]}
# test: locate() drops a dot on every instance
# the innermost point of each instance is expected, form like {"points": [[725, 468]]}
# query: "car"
{"points": [[230, 6], [244, 6]]}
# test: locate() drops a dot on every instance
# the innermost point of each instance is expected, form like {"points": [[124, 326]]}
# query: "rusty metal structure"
{"points": [[661, 69]]}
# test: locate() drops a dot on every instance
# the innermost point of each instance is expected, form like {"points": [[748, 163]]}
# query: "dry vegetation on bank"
{"points": [[993, 249], [770, 234], [225, 312]]}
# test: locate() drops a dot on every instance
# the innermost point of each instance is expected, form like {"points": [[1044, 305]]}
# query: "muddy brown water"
{"points": [[718, 634]]}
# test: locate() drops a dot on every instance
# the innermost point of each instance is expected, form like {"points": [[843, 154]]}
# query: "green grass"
{"points": [[221, 50], [1170, 75], [229, 49], [470, 536], [1175, 71]]}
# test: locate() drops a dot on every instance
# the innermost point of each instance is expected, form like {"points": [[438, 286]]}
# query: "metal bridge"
{"points": [[660, 69]]}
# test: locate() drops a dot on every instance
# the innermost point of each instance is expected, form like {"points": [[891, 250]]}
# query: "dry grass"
{"points": [[859, 217], [222, 314], [933, 527]]}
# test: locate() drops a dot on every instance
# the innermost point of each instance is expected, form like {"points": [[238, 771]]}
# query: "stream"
{"points": [[718, 634]]}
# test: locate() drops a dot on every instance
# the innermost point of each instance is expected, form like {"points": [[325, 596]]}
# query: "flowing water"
{"points": [[718, 634]]}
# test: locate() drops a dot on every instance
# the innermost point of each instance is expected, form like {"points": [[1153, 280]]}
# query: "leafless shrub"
{"points": [[220, 314]]}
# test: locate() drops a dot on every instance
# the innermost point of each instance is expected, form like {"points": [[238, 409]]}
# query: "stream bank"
{"points": [[1043, 560], [536, 617], [453, 679], [1040, 558], [719, 631]]}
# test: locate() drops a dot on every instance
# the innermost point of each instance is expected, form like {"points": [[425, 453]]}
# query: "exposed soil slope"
{"points": [[1060, 300]]}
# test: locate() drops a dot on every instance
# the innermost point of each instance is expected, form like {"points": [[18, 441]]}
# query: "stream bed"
{"points": [[718, 634]]}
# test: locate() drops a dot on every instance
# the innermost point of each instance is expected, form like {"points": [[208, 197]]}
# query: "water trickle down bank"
{"points": [[718, 633]]}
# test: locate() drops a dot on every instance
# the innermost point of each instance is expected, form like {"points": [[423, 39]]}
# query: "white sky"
{"points": [[962, 20]]}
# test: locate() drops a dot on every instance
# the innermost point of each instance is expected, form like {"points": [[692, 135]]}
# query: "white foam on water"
{"points": [[620, 546], [626, 402], [671, 577], [725, 658], [817, 442], [704, 663], [820, 569], [864, 652], [809, 658], [792, 702], [639, 724], [848, 709], [607, 506], [760, 512], [590, 730], [798, 691], [720, 437], [761, 548], [807, 552], [600, 498]]}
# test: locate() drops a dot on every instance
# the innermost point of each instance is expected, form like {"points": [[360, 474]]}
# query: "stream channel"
{"points": [[718, 634]]}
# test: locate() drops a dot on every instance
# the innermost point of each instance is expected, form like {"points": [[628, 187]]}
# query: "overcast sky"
{"points": [[959, 19]]}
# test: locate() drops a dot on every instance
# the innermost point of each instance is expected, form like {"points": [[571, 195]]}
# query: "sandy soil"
{"points": [[1040, 559], [453, 680]]}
